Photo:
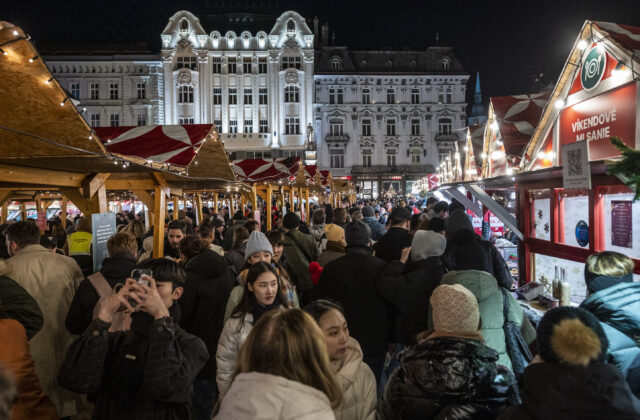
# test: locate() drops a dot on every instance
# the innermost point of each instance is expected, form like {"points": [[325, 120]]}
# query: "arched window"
{"points": [[445, 64], [184, 26], [291, 94], [185, 94], [291, 27], [335, 63]]}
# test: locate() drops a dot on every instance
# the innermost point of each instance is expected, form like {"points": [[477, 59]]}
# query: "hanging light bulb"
{"points": [[50, 80], [64, 101], [3, 52], [560, 104], [582, 44], [34, 58]]}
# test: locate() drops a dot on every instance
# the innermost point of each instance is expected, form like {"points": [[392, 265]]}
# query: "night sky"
{"points": [[508, 42]]}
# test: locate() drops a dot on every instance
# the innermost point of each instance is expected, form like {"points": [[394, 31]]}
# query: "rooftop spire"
{"points": [[477, 96]]}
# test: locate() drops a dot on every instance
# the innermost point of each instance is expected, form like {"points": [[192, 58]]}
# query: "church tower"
{"points": [[477, 115]]}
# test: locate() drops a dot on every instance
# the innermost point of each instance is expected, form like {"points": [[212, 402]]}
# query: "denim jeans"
{"points": [[205, 395], [391, 363]]}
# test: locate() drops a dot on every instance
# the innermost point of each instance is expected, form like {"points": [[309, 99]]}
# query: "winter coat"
{"points": [[317, 231], [51, 279], [492, 262], [618, 310], [203, 302], [333, 251], [485, 289], [17, 304], [235, 332], [448, 378], [377, 229], [235, 258], [299, 250], [410, 293], [358, 385], [144, 373], [351, 280], [390, 246], [228, 235], [32, 402], [260, 396], [115, 270], [565, 392]]}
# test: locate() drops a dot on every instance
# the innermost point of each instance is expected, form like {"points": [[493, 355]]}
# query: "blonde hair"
{"points": [[289, 343], [122, 243], [609, 263]]}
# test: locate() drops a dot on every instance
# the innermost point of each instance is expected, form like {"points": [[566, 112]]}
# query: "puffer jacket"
{"points": [[235, 332], [618, 310], [377, 228], [566, 392], [260, 396], [485, 288], [358, 385], [448, 378]]}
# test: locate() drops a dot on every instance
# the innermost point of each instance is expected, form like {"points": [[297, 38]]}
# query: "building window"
{"points": [[445, 64], [190, 63], [262, 65], [246, 65], [292, 125], [94, 91], [415, 96], [337, 158], [75, 90], [248, 97], [340, 95], [185, 121], [332, 96], [336, 127], [366, 96], [114, 120], [95, 120], [217, 96], [217, 65], [233, 126], [444, 126], [391, 127], [335, 63], [141, 90], [263, 97], [231, 65], [291, 62], [185, 94], [291, 27], [366, 127], [142, 119], [440, 96], [263, 126], [415, 156], [391, 96], [233, 97], [248, 126], [113, 91], [415, 127], [218, 124], [391, 157], [366, 158], [291, 94], [449, 95]]}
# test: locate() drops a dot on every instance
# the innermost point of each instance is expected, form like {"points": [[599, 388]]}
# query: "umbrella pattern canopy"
{"points": [[255, 170], [310, 173], [624, 35]]}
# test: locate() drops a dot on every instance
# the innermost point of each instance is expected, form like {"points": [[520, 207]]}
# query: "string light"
{"points": [[64, 101], [15, 33], [34, 58], [50, 80], [3, 52]]}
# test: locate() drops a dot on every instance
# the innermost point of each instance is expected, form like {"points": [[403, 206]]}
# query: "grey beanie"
{"points": [[357, 234], [427, 243], [367, 211], [257, 242], [457, 220]]}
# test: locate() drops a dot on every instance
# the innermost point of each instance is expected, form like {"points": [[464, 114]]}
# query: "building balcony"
{"points": [[398, 169], [450, 137], [337, 139]]}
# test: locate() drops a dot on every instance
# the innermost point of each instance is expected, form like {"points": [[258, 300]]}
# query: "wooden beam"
{"points": [[84, 205], [63, 215], [130, 184], [268, 204], [306, 195], [92, 183], [102, 205], [5, 195], [176, 206], [5, 212], [254, 199], [215, 203], [158, 222], [24, 175], [198, 204], [23, 211], [147, 200]]}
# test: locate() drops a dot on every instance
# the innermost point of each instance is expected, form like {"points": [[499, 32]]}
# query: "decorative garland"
{"points": [[628, 169]]}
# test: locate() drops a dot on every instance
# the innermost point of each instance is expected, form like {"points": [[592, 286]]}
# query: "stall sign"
{"points": [[103, 227], [42, 220], [593, 67], [597, 119]]}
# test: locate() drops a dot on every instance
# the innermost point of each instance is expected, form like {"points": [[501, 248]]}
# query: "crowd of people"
{"points": [[387, 309]]}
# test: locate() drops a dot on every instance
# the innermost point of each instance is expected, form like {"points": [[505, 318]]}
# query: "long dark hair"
{"points": [[248, 300], [319, 307]]}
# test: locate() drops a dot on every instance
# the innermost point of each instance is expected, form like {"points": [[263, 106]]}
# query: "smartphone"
{"points": [[139, 274]]}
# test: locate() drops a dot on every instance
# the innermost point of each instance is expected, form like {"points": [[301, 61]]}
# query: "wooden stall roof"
{"points": [[261, 170]]}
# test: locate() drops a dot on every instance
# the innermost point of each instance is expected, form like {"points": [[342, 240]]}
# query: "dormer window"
{"points": [[184, 27], [335, 63], [445, 64], [291, 27]]}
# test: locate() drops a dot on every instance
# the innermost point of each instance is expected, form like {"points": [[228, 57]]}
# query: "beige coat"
{"points": [[228, 350], [358, 386], [52, 280], [260, 396]]}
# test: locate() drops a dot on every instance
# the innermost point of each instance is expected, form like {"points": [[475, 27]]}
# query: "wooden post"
{"points": [[63, 214], [158, 222], [254, 199], [199, 213], [268, 204], [176, 205], [306, 195], [243, 202], [215, 203], [103, 204], [5, 211], [23, 211]]}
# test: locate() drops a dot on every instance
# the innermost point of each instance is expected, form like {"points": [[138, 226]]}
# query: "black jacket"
{"points": [[17, 304], [474, 253], [351, 280], [115, 270], [389, 247], [448, 378], [409, 293], [565, 392], [209, 283]]}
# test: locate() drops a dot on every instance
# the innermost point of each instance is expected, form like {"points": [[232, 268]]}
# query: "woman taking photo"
{"points": [[354, 376], [261, 294], [284, 368]]}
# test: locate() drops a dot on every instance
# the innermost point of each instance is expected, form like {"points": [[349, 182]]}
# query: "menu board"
{"points": [[621, 224]]}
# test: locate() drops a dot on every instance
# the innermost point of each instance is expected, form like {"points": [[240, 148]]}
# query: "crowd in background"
{"points": [[390, 309]]}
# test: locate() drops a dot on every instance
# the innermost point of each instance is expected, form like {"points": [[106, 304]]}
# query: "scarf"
{"points": [[259, 310]]}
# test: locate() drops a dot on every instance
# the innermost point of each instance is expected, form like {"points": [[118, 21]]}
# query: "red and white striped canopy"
{"points": [[174, 144], [625, 35], [310, 173], [518, 116], [254, 170]]}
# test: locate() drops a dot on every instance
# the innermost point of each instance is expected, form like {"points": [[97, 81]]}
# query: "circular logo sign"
{"points": [[582, 233], [593, 67]]}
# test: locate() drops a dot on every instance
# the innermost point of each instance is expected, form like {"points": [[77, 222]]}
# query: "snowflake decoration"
{"points": [[576, 271], [546, 228], [540, 214]]}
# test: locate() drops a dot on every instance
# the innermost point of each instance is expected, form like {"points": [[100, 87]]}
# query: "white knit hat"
{"points": [[257, 242], [455, 309], [427, 244]]}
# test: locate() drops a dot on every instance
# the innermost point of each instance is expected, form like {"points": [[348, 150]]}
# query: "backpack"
{"points": [[517, 348], [121, 321]]}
